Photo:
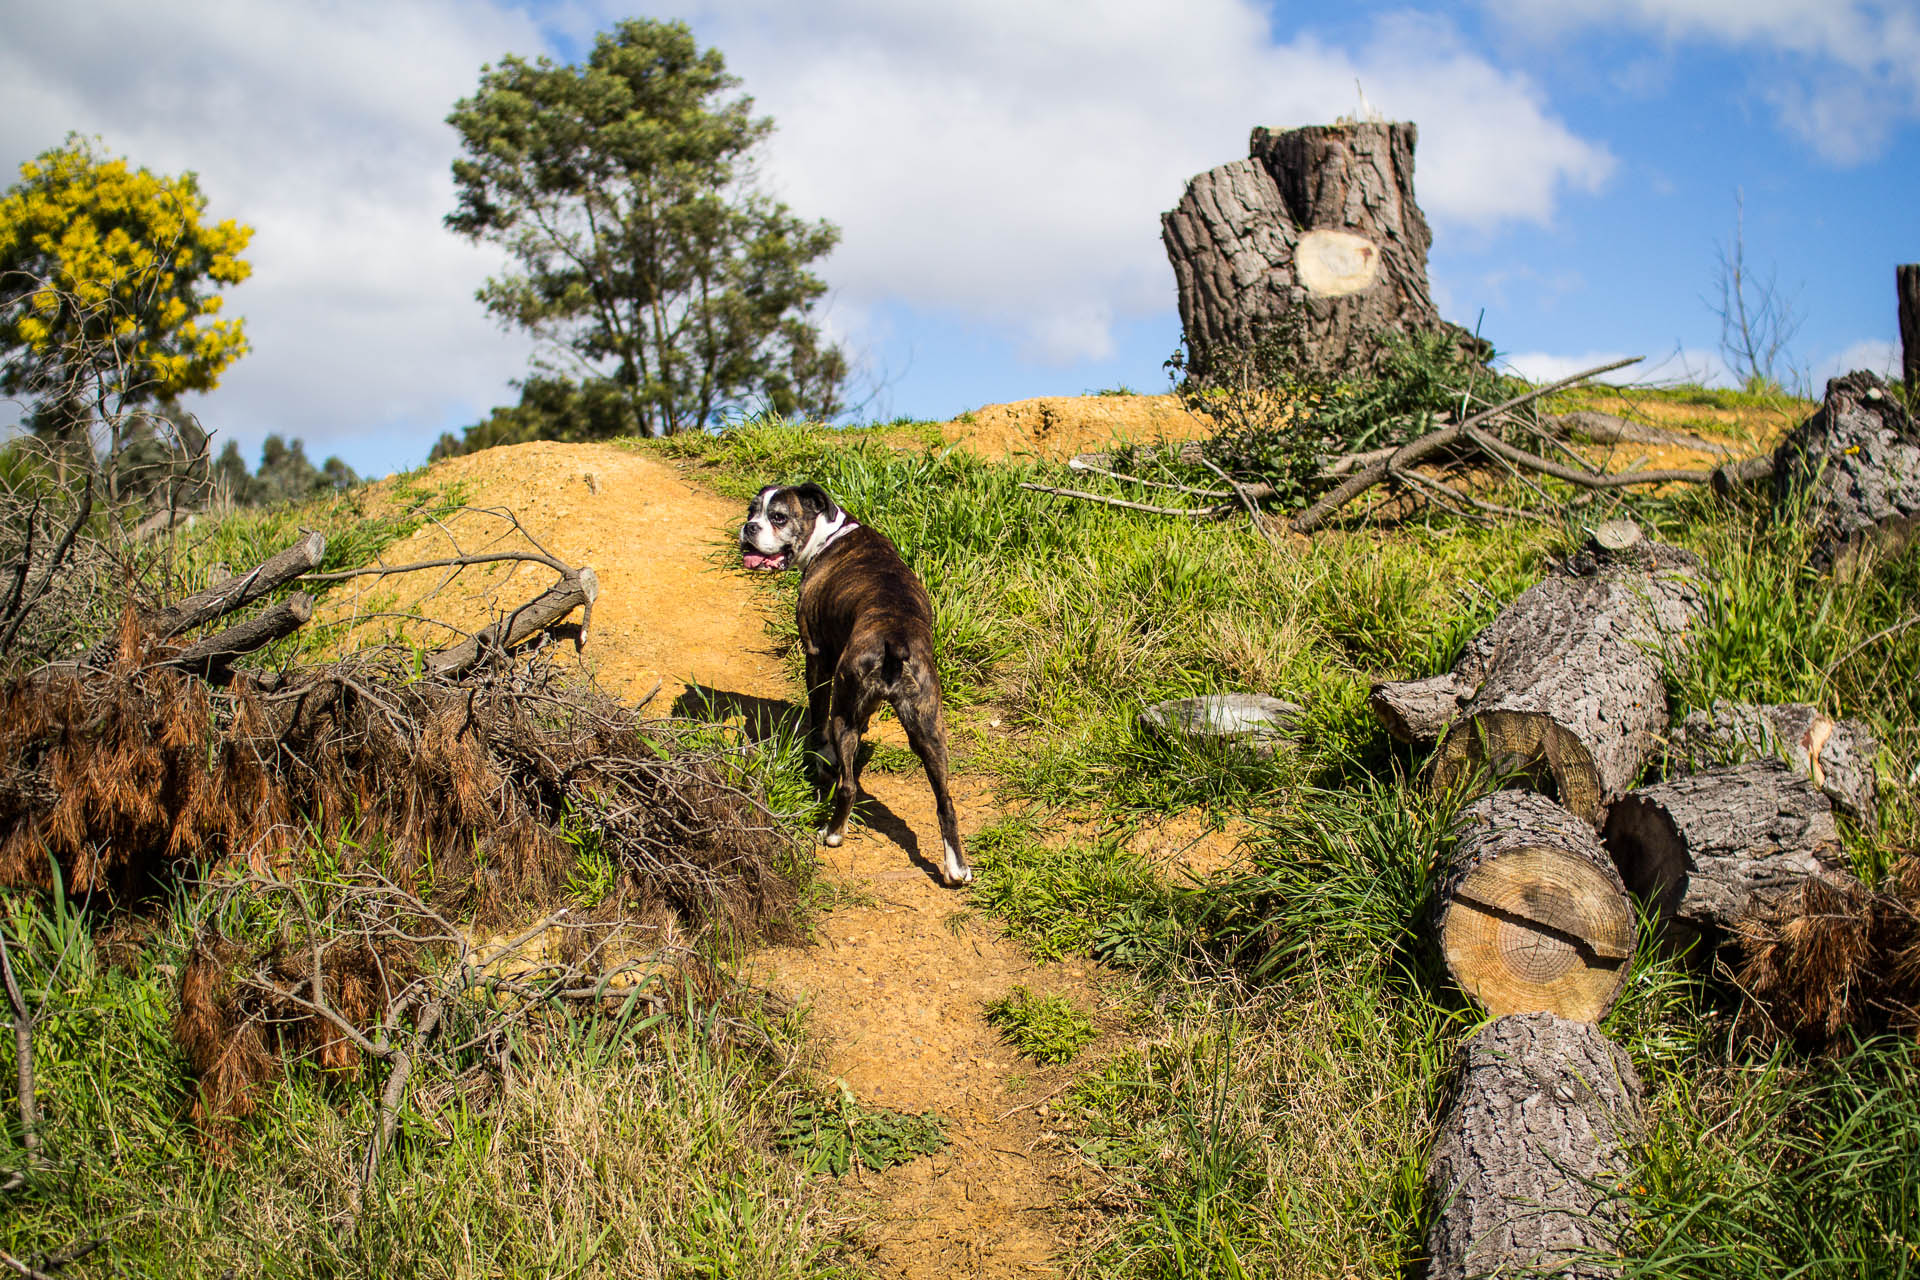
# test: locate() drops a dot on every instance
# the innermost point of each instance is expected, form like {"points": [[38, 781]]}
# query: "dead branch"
{"points": [[1585, 480], [53, 566], [212, 659], [447, 562], [1215, 512], [23, 1024], [1408, 454], [576, 589], [1607, 428]]}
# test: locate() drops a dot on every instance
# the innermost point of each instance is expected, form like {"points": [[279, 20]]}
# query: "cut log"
{"points": [[1906, 283], [212, 658], [1531, 914], [1698, 848], [1538, 1136], [1316, 228], [575, 590], [1855, 465], [1420, 711], [1835, 755], [1568, 694]]}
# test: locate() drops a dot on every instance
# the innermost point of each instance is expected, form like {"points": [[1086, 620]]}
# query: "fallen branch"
{"points": [[1408, 454], [212, 658], [1586, 480], [23, 1021], [1215, 512], [1607, 428], [576, 589]]}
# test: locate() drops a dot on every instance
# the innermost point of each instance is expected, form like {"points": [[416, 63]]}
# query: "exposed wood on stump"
{"points": [[1564, 689], [1531, 914], [1906, 280], [1856, 466], [1540, 1129], [575, 590], [1319, 226], [1835, 755], [1699, 848]]}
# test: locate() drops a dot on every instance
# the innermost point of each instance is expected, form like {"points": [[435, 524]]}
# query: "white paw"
{"points": [[831, 839], [957, 878]]}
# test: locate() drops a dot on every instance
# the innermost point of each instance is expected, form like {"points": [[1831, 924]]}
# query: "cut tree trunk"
{"points": [[1906, 282], [1564, 691], [1539, 1134], [1531, 914], [1317, 227], [212, 658], [217, 601], [1835, 755], [1856, 466], [1698, 848]]}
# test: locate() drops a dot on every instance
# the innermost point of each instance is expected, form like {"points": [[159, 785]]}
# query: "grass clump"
{"points": [[833, 1135], [1048, 1029]]}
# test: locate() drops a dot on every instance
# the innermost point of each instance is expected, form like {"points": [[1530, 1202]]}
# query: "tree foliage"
{"points": [[109, 300], [622, 188], [286, 474]]}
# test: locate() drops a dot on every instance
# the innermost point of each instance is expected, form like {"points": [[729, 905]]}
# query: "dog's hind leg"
{"points": [[844, 722], [926, 728]]}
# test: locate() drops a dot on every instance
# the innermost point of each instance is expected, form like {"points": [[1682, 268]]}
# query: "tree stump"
{"points": [[1835, 755], [1531, 914], [1567, 691], [1856, 466], [1317, 226], [1698, 848], [1906, 283], [1540, 1130]]}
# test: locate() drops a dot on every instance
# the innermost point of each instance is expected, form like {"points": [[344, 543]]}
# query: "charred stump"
{"points": [[1317, 229], [1856, 466], [1564, 690], [1835, 755], [1537, 1138], [1531, 914], [1699, 848]]}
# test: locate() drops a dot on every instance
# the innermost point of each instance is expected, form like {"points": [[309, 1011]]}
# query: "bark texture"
{"points": [[1531, 914], [1856, 466], [217, 601], [1906, 281], [575, 590], [212, 658], [1699, 848], [1566, 689], [1540, 1129], [1317, 226], [1835, 755]]}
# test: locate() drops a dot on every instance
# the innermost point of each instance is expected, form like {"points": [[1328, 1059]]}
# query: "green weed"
{"points": [[1048, 1029], [833, 1135]]}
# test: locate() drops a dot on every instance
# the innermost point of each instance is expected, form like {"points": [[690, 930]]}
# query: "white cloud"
{"points": [[1875, 355], [1678, 365], [1858, 60], [998, 163], [1010, 161], [322, 128]]}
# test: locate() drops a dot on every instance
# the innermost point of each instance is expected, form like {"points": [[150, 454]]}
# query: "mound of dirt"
{"points": [[1057, 427]]}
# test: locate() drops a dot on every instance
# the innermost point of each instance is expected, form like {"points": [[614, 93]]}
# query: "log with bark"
{"points": [[1855, 467], [1531, 913], [1698, 848], [1537, 1139], [1835, 755], [224, 597], [576, 589], [1316, 228], [1564, 691]]}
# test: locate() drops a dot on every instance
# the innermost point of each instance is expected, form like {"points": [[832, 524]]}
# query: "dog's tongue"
{"points": [[754, 560]]}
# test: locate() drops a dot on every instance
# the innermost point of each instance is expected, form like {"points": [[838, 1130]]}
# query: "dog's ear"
{"points": [[816, 501]]}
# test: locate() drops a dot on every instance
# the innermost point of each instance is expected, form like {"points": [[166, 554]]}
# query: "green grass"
{"points": [[622, 1149], [1277, 1116], [1046, 1028]]}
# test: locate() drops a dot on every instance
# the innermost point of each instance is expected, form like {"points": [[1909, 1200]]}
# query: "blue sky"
{"points": [[998, 168]]}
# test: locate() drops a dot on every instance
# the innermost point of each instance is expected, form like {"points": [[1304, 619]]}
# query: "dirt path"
{"points": [[895, 986]]}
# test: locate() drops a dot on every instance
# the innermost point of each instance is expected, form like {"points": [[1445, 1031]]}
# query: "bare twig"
{"points": [[1533, 462], [23, 1025], [1214, 512]]}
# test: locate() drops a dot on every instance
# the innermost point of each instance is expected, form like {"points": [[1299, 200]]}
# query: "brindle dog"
{"points": [[866, 626]]}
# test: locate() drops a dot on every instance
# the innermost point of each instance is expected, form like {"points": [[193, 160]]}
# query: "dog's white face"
{"points": [[789, 525]]}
